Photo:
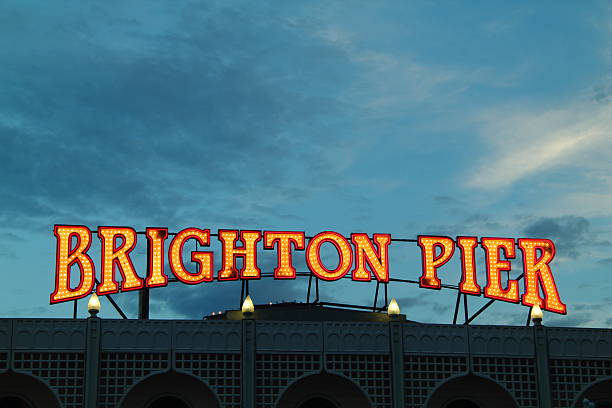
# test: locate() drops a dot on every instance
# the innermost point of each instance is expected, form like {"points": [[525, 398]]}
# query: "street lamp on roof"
{"points": [[536, 315], [393, 310], [93, 305]]}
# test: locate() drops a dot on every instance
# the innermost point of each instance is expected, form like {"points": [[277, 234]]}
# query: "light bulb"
{"points": [[93, 306], [393, 309], [247, 306], [536, 315]]}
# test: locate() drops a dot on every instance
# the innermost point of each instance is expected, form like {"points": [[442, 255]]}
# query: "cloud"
{"points": [[525, 144], [192, 116], [574, 320], [605, 262], [569, 233], [447, 200]]}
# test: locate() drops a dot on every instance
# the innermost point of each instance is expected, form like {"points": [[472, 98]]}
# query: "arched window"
{"points": [[318, 402], [168, 402], [463, 403], [13, 402]]}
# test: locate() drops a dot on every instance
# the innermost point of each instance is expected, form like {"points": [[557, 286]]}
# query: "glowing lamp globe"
{"points": [[536, 315], [93, 306], [393, 310], [247, 305]]}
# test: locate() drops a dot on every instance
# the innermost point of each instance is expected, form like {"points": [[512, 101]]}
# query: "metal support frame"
{"points": [[489, 303]]}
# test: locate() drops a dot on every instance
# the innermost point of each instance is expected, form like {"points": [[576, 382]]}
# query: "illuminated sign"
{"points": [[364, 257]]}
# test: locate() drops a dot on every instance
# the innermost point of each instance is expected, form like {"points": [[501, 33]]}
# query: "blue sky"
{"points": [[487, 119]]}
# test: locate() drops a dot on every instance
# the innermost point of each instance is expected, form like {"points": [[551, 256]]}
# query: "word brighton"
{"points": [[362, 256]]}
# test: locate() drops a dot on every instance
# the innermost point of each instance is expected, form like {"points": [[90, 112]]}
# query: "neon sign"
{"points": [[364, 257]]}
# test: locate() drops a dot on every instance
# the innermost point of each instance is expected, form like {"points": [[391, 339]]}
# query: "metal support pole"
{"points": [[543, 374], [74, 310], [386, 296], [309, 286], [242, 284], [457, 307], [143, 304], [92, 356], [397, 362], [375, 297], [248, 363], [465, 309]]}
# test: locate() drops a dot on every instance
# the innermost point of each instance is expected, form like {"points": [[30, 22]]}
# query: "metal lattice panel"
{"points": [[118, 371], [568, 377], [275, 371], [518, 375], [63, 371], [423, 373], [220, 370], [3, 360], [371, 371]]}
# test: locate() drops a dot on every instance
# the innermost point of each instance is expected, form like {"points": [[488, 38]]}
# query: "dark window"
{"points": [[318, 402], [463, 403], [13, 402], [168, 402]]}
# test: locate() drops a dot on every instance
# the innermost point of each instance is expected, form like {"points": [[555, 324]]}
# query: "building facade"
{"points": [[299, 356]]}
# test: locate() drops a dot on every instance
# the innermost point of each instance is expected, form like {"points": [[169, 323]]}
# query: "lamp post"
{"points": [[541, 351], [393, 309], [248, 353], [93, 351], [536, 315], [397, 353], [247, 307], [93, 305]]}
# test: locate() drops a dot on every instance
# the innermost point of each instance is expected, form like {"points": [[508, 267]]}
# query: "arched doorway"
{"points": [[599, 393], [317, 402], [167, 402], [462, 403], [170, 390], [323, 390], [470, 391], [13, 402], [24, 391]]}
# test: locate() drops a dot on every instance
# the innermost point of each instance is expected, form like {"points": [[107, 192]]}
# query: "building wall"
{"points": [[262, 363]]}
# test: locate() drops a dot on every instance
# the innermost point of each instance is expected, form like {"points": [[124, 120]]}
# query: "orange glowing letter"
{"points": [[203, 259], [155, 260], [431, 261], [66, 257], [468, 265], [248, 251], [494, 288], [117, 256], [537, 270], [284, 269], [313, 255], [376, 259]]}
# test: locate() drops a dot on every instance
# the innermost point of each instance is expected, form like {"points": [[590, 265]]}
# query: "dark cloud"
{"points": [[603, 94], [573, 320], [195, 301], [569, 233], [7, 253], [106, 118], [605, 262], [446, 200]]}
